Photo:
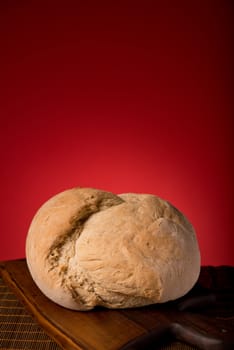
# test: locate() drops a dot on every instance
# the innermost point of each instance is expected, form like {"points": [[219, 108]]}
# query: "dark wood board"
{"points": [[203, 318]]}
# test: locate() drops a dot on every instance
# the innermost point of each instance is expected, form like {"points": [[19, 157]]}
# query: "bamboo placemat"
{"points": [[18, 330]]}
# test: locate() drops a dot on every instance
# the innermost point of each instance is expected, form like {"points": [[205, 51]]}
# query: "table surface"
{"points": [[99, 329]]}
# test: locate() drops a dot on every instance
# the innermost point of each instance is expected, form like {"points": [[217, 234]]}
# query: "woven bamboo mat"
{"points": [[18, 330]]}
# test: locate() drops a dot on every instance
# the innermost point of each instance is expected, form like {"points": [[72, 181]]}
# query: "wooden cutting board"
{"points": [[204, 318]]}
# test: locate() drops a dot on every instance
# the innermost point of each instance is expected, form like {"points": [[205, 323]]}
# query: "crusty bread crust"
{"points": [[87, 247]]}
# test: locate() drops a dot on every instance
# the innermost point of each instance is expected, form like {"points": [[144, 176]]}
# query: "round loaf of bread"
{"points": [[86, 247]]}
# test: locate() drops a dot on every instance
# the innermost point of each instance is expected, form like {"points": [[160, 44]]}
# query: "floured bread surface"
{"points": [[87, 247]]}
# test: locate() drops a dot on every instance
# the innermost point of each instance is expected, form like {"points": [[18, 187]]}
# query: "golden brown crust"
{"points": [[87, 247]]}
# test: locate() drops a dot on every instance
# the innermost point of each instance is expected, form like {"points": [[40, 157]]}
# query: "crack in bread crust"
{"points": [[63, 249], [70, 236]]}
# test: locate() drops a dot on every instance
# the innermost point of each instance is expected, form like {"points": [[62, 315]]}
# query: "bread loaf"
{"points": [[86, 247]]}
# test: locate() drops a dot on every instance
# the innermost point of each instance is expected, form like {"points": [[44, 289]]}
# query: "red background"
{"points": [[125, 96]]}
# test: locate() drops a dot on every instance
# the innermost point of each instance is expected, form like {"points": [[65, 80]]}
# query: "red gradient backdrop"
{"points": [[123, 96]]}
